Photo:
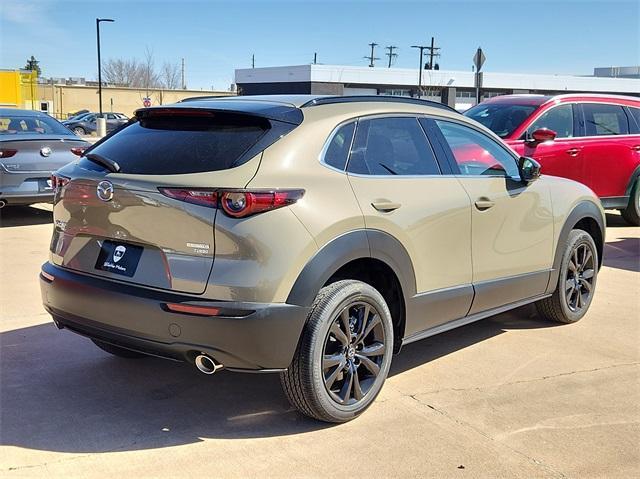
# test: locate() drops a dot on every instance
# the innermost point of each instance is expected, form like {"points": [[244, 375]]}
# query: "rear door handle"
{"points": [[573, 151], [385, 206], [635, 147], [484, 204]]}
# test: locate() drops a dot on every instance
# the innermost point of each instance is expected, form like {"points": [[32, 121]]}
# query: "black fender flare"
{"points": [[632, 181], [584, 209], [356, 244]]}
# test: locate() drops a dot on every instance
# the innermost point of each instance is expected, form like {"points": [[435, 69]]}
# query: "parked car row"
{"points": [[86, 123], [592, 139]]}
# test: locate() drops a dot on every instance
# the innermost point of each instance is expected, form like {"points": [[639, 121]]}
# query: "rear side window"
{"points": [[558, 119], [392, 146], [338, 148], [180, 144], [635, 112], [601, 119]]}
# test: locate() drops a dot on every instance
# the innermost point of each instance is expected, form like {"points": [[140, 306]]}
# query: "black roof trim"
{"points": [[270, 111], [329, 100]]}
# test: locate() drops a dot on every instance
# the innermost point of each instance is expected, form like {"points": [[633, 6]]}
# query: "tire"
{"points": [[631, 213], [78, 130], [576, 281], [331, 377], [118, 351]]}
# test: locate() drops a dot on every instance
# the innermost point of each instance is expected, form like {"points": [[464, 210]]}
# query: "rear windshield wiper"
{"points": [[109, 164]]}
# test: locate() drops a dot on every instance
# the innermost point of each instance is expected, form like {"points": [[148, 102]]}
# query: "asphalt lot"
{"points": [[511, 396]]}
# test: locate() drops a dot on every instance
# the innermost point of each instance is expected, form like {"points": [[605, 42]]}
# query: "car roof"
{"points": [[522, 99], [19, 111]]}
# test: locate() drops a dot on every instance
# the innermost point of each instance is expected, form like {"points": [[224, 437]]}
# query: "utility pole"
{"points": [[315, 58], [391, 55], [253, 61], [422, 48], [372, 59], [432, 53], [98, 20], [184, 87]]}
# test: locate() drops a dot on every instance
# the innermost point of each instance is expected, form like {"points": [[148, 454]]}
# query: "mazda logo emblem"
{"points": [[45, 151], [105, 190]]}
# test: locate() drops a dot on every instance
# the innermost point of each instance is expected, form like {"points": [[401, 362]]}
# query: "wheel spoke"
{"points": [[588, 255], [345, 392], [357, 388], [586, 285], [579, 299], [588, 273], [375, 320], [572, 266], [369, 364], [329, 380], [331, 360], [345, 319], [569, 284], [339, 334], [364, 319], [375, 349]]}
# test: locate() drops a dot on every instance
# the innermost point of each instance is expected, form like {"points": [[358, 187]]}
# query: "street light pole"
{"points": [[98, 20]]}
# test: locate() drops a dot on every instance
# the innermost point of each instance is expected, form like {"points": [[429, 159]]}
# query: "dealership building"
{"points": [[456, 88]]}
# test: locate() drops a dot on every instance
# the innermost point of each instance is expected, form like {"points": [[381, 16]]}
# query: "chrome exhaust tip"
{"points": [[206, 364]]}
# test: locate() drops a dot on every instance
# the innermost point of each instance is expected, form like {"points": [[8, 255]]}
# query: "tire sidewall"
{"points": [[352, 292], [576, 238]]}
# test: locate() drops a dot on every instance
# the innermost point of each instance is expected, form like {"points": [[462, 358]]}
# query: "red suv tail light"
{"points": [[7, 153], [236, 203], [58, 181], [78, 150]]}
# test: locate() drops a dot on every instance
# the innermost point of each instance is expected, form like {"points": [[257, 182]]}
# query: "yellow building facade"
{"points": [[19, 89]]}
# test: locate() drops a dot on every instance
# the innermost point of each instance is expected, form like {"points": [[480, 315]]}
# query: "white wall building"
{"points": [[454, 87]]}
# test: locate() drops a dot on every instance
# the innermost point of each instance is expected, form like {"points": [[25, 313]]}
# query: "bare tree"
{"points": [[150, 78], [123, 72], [170, 75]]}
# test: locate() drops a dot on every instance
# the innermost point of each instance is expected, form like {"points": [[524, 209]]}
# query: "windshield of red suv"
{"points": [[501, 118]]}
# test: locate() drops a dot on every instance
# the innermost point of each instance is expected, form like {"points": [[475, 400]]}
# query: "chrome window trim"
{"points": [[329, 139]]}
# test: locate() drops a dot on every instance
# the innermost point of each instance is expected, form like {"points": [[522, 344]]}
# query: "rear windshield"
{"points": [[501, 118], [177, 144], [27, 124]]}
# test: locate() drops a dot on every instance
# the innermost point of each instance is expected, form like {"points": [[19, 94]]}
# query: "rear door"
{"points": [[152, 223], [401, 190], [608, 149]]}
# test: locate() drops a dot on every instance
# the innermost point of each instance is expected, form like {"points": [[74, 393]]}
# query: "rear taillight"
{"points": [[78, 150], [236, 203], [7, 153], [58, 181], [200, 197]]}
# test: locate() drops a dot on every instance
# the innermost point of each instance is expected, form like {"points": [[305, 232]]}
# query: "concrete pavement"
{"points": [[511, 396]]}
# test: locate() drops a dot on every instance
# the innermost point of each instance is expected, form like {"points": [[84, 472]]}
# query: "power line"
{"points": [[391, 55], [372, 59]]}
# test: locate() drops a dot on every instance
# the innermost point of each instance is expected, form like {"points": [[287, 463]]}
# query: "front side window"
{"points": [[337, 150], [392, 146], [558, 119], [602, 119], [476, 153]]}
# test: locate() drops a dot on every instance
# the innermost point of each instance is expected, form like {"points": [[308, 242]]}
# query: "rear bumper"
{"points": [[24, 189], [261, 337]]}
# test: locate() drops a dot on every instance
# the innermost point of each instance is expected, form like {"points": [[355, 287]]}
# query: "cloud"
{"points": [[32, 16]]}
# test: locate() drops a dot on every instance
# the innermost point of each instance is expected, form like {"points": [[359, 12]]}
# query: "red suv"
{"points": [[593, 139]]}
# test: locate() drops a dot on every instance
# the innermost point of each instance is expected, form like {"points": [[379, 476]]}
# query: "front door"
{"points": [[401, 191], [512, 223]]}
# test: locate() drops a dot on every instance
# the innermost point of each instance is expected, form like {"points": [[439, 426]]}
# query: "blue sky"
{"points": [[215, 37]]}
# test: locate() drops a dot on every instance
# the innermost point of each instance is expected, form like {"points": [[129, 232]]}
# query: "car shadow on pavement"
{"points": [[623, 253], [61, 393], [11, 216]]}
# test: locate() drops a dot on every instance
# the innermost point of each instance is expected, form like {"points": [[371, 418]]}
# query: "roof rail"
{"points": [[328, 100]]}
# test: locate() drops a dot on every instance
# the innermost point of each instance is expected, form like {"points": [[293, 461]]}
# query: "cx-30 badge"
{"points": [[45, 151], [105, 190]]}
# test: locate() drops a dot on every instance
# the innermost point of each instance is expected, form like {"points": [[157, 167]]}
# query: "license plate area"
{"points": [[119, 258]]}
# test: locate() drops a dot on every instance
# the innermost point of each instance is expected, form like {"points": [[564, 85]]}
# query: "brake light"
{"points": [[236, 203], [78, 150], [58, 181], [239, 204], [7, 153]]}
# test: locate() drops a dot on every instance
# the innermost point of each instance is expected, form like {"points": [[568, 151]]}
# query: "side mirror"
{"points": [[542, 134], [529, 169]]}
